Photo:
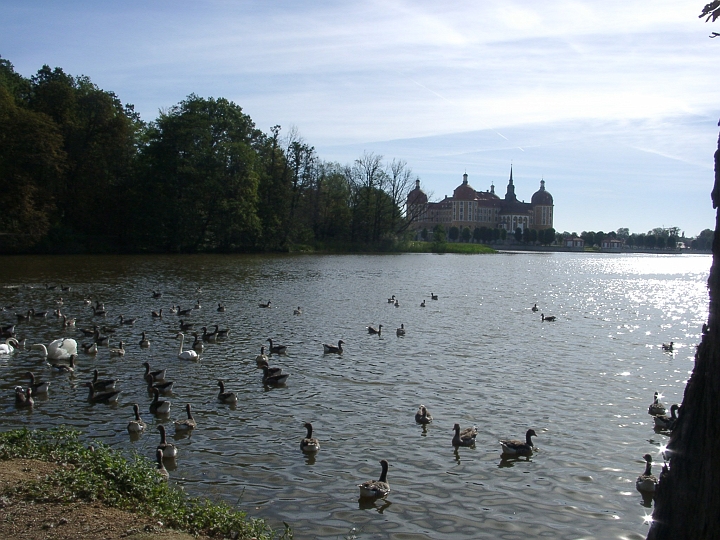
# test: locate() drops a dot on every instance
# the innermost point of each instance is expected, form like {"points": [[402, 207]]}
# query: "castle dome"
{"points": [[542, 197], [417, 195], [464, 192]]}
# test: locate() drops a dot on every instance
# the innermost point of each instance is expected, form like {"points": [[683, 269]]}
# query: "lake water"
{"points": [[476, 356]]}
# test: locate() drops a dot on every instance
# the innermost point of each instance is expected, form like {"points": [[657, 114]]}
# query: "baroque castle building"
{"points": [[470, 208]]}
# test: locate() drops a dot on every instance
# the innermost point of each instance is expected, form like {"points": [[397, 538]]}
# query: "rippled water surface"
{"points": [[478, 355]]}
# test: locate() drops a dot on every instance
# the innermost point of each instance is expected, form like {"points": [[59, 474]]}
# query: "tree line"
{"points": [[81, 171]]}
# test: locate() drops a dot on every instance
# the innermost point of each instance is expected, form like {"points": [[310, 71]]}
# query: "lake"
{"points": [[478, 355]]}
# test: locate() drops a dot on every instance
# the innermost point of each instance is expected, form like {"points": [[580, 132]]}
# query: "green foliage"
{"points": [[465, 234], [439, 234], [518, 234], [444, 247], [454, 233]]}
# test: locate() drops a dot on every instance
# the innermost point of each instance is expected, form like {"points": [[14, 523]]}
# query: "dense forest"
{"points": [[81, 172]]}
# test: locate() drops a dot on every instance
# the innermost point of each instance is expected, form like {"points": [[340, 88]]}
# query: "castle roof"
{"points": [[542, 197]]}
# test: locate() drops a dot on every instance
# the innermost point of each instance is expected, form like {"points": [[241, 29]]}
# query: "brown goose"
{"points": [[168, 449], [309, 444], [519, 448], [465, 437], [376, 488], [423, 416], [111, 396], [647, 482], [332, 348], [161, 470], [187, 424], [223, 396], [137, 425]]}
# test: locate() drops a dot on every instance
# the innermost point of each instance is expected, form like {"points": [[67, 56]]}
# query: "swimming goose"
{"points": [[391, 300], [60, 349], [185, 355], [297, 311], [101, 340], [120, 351], [197, 305], [264, 305], [646, 482], [157, 314], [159, 406], [225, 397], [271, 370], [400, 331], [9, 346], [656, 408], [376, 488], [221, 333], [156, 294], [221, 307], [184, 312], [197, 344], [187, 424], [332, 348], [433, 296], [38, 314], [423, 416], [164, 387], [22, 317], [372, 330], [185, 326], [174, 308], [668, 346], [262, 357], [68, 323], [465, 437], [37, 387], [667, 422], [110, 396], [519, 448], [104, 384], [272, 380], [66, 368], [309, 443], [397, 304], [7, 330], [23, 398], [210, 337], [157, 375], [89, 332], [144, 341], [161, 470], [57, 313], [123, 320], [551, 318], [137, 425], [534, 308], [422, 304], [168, 449], [90, 348], [277, 349]]}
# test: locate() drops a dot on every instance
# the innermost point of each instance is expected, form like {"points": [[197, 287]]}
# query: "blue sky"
{"points": [[613, 103]]}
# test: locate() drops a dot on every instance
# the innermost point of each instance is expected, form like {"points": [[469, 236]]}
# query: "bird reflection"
{"points": [[369, 504], [647, 499], [310, 458], [508, 461], [424, 432]]}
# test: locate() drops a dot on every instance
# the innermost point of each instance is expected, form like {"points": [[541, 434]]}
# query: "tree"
{"points": [[439, 234], [424, 233], [454, 233], [518, 234], [465, 235], [479, 234], [503, 234], [533, 235]]}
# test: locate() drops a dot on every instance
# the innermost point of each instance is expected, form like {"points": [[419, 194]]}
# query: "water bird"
{"points": [[422, 304], [68, 323], [376, 488], [159, 406], [186, 326], [433, 296], [156, 294], [119, 351], [161, 470], [129, 322], [423, 416], [668, 346], [157, 375], [59, 349], [656, 408], [264, 305], [184, 312], [102, 384], [37, 387], [262, 357], [273, 380], [23, 398], [551, 318], [22, 317], [465, 437], [210, 337], [66, 368], [271, 370], [185, 355], [164, 387], [223, 396], [9, 346], [221, 307], [391, 300], [144, 341], [157, 314], [277, 349], [90, 348], [109, 396], [667, 422], [332, 348], [534, 308], [309, 444], [397, 304], [197, 305], [646, 482], [38, 314], [372, 330], [101, 340], [297, 311], [168, 449], [187, 424], [400, 331], [137, 425], [221, 334], [197, 344], [519, 448]]}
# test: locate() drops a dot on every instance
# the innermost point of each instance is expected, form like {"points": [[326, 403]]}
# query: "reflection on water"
{"points": [[476, 356]]}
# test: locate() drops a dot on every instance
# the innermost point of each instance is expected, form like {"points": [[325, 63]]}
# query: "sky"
{"points": [[613, 103]]}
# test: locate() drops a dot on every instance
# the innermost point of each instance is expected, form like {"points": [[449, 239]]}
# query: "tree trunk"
{"points": [[687, 501]]}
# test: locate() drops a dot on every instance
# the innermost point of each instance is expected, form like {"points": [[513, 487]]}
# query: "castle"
{"points": [[472, 209]]}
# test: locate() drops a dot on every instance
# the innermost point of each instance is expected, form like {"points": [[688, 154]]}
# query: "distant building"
{"points": [[470, 208], [612, 243], [574, 242]]}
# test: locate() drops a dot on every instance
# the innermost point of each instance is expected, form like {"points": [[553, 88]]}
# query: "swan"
{"points": [[168, 449], [225, 397], [276, 379], [376, 488], [137, 425], [377, 330], [665, 421], [423, 416], [110, 396], [144, 341], [161, 470], [159, 406], [37, 387], [400, 331], [551, 318], [185, 355], [60, 349], [646, 482], [519, 448], [9, 346], [309, 443], [332, 348], [656, 408], [465, 437], [157, 375], [277, 349], [188, 424], [104, 384]]}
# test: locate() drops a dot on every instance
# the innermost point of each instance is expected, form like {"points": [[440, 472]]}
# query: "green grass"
{"points": [[446, 247], [102, 474]]}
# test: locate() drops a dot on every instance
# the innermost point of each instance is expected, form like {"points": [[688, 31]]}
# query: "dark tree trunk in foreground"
{"points": [[687, 504]]}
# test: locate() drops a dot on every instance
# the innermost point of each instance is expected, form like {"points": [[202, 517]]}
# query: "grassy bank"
{"points": [[446, 247], [99, 474], [395, 247]]}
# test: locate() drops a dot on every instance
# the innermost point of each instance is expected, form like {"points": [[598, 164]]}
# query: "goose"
{"points": [[137, 425], [144, 341], [197, 344], [38, 314], [9, 346], [656, 408], [59, 302], [519, 448], [264, 305], [157, 375], [99, 312], [667, 422], [262, 357], [89, 332], [57, 313], [400, 331], [87, 302], [185, 355], [185, 326], [273, 379], [68, 323], [120, 351], [551, 318], [187, 424], [184, 312], [161, 470], [157, 314], [221, 333], [372, 330], [66, 368], [37, 387], [168, 449], [391, 300], [646, 482], [271, 370], [60, 349], [376, 488], [332, 348], [65, 288], [50, 287], [22, 317], [23, 398], [159, 406], [174, 308], [309, 443], [397, 304], [156, 294], [433, 296], [164, 387], [534, 308], [465, 437], [423, 416], [277, 349], [668, 346], [221, 307], [101, 340], [102, 385], [422, 304], [225, 397], [109, 396], [210, 337], [90, 348], [129, 322], [297, 311], [8, 330]]}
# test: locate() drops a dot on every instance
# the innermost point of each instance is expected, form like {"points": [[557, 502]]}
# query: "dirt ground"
{"points": [[23, 520]]}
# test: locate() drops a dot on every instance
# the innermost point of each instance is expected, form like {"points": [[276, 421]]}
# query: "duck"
{"points": [[423, 416], [110, 396], [60, 349], [157, 375], [221, 333], [164, 387], [551, 318], [223, 396], [157, 314], [90, 348], [391, 300], [187, 424], [519, 448], [137, 425], [264, 305], [422, 304], [647, 482], [161, 470], [104, 384], [534, 308], [23, 398], [376, 488], [197, 344], [332, 348], [168, 449], [297, 311], [159, 406], [262, 357], [656, 408], [309, 444], [277, 349], [66, 368], [668, 346], [271, 370], [667, 422], [433, 296], [221, 307], [129, 322], [9, 346], [372, 330], [120, 351], [37, 387], [400, 331], [273, 380], [465, 437], [185, 355], [144, 341]]}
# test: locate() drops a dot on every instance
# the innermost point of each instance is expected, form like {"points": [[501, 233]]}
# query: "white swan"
{"points": [[60, 349], [185, 355], [7, 347]]}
